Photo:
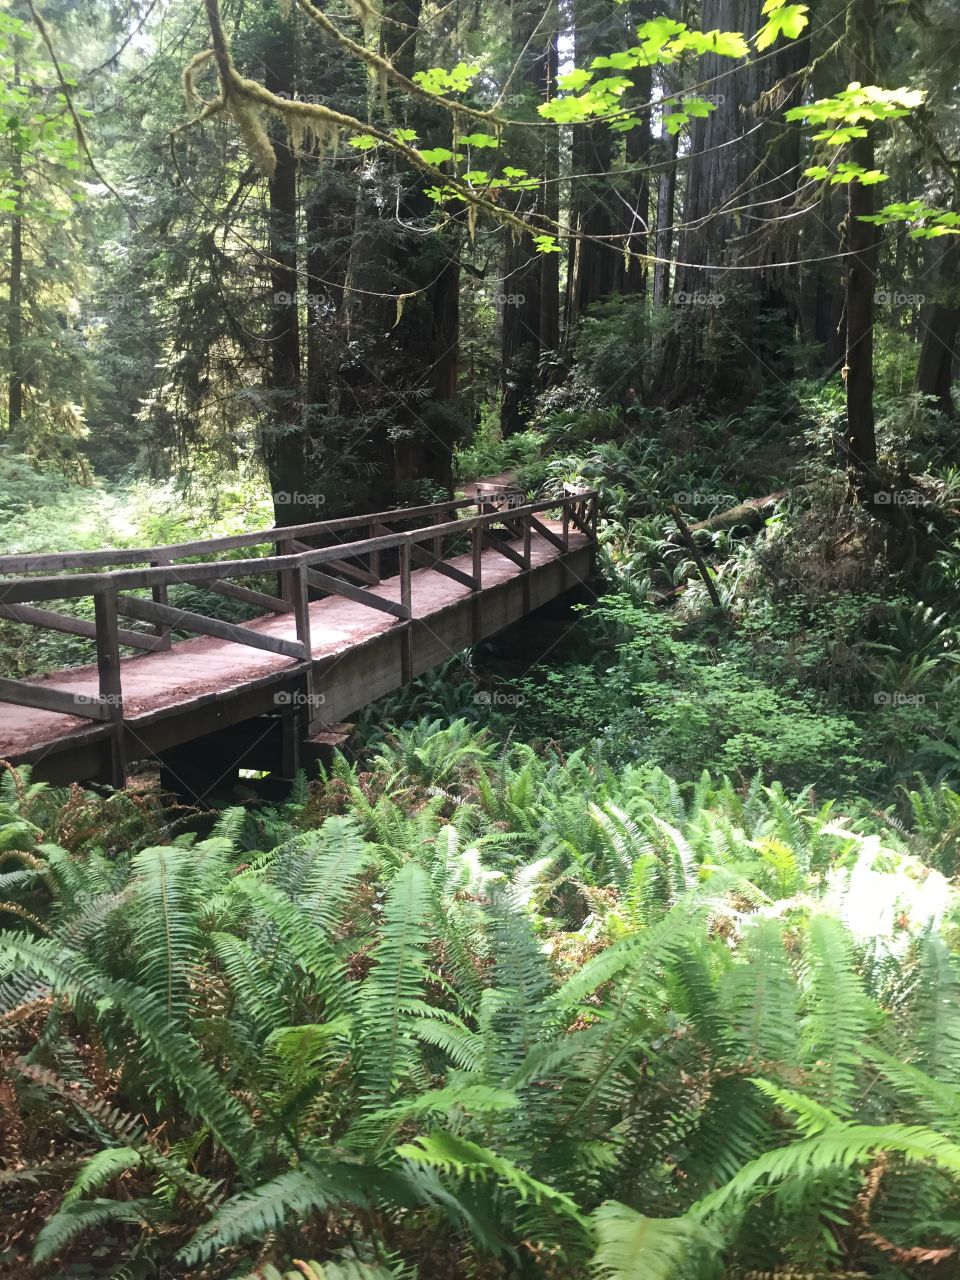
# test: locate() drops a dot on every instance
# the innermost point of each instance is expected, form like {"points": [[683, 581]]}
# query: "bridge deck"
{"points": [[169, 684]]}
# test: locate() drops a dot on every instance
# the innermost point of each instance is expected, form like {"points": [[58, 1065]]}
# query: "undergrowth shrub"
{"points": [[486, 1012]]}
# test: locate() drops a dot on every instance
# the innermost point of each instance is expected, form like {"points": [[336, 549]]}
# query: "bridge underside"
{"points": [[254, 703]]}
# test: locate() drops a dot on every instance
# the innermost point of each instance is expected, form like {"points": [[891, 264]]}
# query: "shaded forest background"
{"points": [[170, 309]]}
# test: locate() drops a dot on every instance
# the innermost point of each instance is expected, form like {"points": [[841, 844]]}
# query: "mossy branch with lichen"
{"points": [[247, 99], [388, 72]]}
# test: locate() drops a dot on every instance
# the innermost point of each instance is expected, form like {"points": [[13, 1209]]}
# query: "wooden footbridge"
{"points": [[348, 610]]}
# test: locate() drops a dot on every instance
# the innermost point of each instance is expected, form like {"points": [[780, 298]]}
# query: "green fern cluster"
{"points": [[497, 1014]]}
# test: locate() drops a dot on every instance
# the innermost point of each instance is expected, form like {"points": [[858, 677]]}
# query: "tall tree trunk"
{"points": [[15, 295], [327, 219], [550, 209], [519, 298], [863, 244], [666, 199], [725, 172], [437, 456], [321, 299], [518, 304], [717, 167], [823, 295], [595, 262], [398, 34], [635, 207], [287, 450], [636, 219], [939, 326], [408, 386]]}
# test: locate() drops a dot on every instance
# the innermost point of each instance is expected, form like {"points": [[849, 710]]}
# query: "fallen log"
{"points": [[750, 514]]}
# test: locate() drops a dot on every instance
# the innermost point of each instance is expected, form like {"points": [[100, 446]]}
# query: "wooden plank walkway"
{"points": [[131, 708]]}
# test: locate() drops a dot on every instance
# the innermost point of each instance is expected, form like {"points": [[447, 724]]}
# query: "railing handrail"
{"points": [[175, 550], [20, 590]]}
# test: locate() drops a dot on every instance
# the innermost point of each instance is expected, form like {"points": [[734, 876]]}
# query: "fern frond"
{"points": [[395, 983], [838, 1013], [99, 1169], [631, 1246], [72, 1219], [454, 1155], [252, 1215], [340, 855], [304, 945], [253, 984], [170, 1050], [837, 1148], [165, 924]]}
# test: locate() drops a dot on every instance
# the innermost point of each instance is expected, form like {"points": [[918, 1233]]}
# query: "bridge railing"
{"points": [[300, 569]]}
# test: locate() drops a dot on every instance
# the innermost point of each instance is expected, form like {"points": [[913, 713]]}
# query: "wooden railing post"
{"points": [[527, 533], [306, 714], [476, 546], [374, 562], [406, 586], [108, 670], [300, 599], [438, 519], [406, 599], [285, 583], [160, 596], [476, 542], [566, 522]]}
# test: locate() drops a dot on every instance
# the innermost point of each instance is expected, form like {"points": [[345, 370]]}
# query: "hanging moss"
{"points": [[311, 131], [254, 135], [364, 15], [189, 76]]}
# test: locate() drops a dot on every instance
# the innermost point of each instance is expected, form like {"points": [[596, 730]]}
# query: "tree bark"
{"points": [[519, 298], [824, 320], [863, 244], [634, 206], [666, 198], [398, 35], [15, 294], [408, 385], [939, 327], [594, 264], [286, 443], [550, 209], [739, 155]]}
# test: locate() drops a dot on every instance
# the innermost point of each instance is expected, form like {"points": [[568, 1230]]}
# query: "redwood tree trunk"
{"points": [[666, 198], [595, 261], [408, 384], [519, 298], [718, 350], [550, 209], [863, 244], [635, 220], [15, 295], [286, 441], [939, 326]]}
